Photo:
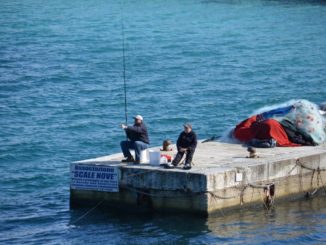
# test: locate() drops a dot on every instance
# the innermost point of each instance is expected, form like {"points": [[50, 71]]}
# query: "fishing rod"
{"points": [[124, 63]]}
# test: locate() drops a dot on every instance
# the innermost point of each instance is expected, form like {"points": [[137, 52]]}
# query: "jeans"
{"points": [[178, 157], [138, 146]]}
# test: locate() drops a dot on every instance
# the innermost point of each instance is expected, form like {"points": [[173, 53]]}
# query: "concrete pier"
{"points": [[222, 177]]}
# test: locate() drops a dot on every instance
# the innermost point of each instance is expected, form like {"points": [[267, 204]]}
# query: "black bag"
{"points": [[296, 135]]}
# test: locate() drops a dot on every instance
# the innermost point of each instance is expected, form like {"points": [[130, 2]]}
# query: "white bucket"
{"points": [[143, 155], [144, 158], [154, 157]]}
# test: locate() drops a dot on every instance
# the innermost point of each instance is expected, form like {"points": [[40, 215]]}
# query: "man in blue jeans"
{"points": [[137, 140]]}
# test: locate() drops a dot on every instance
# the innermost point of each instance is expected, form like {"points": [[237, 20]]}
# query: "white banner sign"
{"points": [[94, 177]]}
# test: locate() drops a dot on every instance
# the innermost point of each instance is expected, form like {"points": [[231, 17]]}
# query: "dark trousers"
{"points": [[138, 146], [178, 157]]}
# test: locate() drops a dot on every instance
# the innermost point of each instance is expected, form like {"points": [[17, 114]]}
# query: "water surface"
{"points": [[208, 62]]}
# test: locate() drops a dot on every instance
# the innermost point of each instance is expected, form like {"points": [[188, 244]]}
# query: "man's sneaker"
{"points": [[187, 166], [128, 159], [174, 164], [136, 162]]}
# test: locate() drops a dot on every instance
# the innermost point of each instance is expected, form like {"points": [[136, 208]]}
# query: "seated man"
{"points": [[137, 140], [186, 144]]}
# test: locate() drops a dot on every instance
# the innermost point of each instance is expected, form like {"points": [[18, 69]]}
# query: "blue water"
{"points": [[208, 62]]}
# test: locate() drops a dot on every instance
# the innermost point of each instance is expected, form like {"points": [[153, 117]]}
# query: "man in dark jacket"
{"points": [[186, 144], [137, 140]]}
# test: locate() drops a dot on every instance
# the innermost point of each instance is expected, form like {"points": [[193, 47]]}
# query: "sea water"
{"points": [[208, 62]]}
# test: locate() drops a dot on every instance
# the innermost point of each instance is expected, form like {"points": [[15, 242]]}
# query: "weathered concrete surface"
{"points": [[211, 184]]}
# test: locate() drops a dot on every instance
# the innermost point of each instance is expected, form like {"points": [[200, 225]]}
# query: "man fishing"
{"points": [[137, 140]]}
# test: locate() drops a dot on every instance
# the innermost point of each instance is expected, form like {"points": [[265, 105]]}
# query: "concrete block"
{"points": [[212, 184]]}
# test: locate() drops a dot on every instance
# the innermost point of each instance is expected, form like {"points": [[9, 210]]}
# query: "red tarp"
{"points": [[251, 128]]}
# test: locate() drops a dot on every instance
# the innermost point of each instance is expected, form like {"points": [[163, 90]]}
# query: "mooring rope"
{"points": [[188, 193], [215, 196], [303, 165], [319, 177], [242, 188], [322, 182]]}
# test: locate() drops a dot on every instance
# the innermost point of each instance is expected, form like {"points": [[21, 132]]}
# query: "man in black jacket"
{"points": [[138, 140], [186, 144]]}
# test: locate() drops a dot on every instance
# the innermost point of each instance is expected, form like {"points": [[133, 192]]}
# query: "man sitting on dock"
{"points": [[186, 144], [137, 140]]}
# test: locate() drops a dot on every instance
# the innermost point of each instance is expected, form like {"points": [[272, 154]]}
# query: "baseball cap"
{"points": [[139, 117], [187, 125]]}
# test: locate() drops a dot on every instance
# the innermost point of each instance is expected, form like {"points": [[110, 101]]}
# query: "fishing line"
{"points": [[85, 214], [124, 62]]}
